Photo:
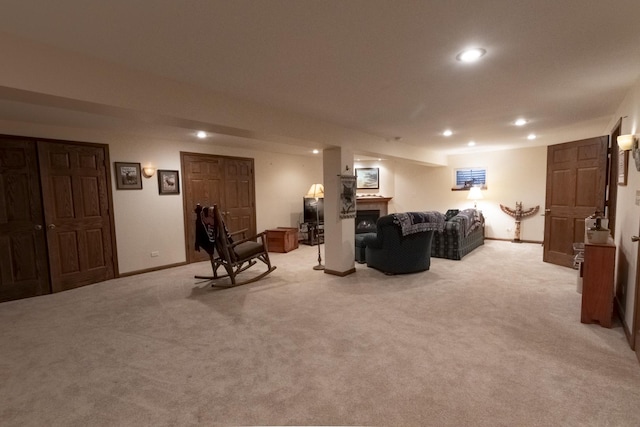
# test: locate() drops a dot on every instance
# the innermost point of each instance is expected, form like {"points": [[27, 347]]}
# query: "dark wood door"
{"points": [[76, 205], [24, 271], [239, 200], [576, 185], [224, 181]]}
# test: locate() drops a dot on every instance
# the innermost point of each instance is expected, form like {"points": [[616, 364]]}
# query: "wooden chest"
{"points": [[282, 239]]}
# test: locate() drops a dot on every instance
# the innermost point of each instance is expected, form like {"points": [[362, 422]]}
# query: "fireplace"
{"points": [[368, 210], [366, 220]]}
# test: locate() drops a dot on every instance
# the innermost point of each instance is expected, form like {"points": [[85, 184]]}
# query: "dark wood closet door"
{"points": [[239, 206], [576, 185], [225, 181], [76, 205], [203, 181], [24, 271]]}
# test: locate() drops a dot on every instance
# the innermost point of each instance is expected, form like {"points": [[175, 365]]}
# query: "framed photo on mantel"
{"points": [[367, 178]]}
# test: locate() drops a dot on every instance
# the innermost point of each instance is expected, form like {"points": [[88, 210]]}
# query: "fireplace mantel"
{"points": [[371, 203]]}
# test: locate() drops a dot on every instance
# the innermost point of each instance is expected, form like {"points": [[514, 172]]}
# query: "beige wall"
{"points": [[512, 175], [147, 222], [627, 210]]}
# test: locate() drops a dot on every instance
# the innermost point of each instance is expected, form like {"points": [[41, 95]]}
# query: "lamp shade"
{"points": [[316, 191], [474, 193], [625, 142]]}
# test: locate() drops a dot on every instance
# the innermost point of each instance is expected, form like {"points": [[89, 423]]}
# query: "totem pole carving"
{"points": [[518, 214]]}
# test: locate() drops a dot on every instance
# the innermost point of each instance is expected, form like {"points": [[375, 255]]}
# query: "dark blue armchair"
{"points": [[402, 243]]}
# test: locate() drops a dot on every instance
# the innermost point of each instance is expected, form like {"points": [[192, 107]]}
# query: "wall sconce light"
{"points": [[148, 172], [625, 142]]}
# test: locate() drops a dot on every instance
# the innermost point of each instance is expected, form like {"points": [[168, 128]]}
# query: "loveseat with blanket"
{"points": [[463, 232], [402, 242]]}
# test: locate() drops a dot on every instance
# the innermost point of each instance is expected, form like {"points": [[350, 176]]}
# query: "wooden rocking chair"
{"points": [[235, 257]]}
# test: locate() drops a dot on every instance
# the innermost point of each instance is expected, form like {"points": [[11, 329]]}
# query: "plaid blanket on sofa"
{"points": [[416, 222]]}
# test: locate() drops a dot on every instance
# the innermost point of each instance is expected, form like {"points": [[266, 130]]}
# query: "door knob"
{"points": [[635, 238], [51, 226], [38, 227]]}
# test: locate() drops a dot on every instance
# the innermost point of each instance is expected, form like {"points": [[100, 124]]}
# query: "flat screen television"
{"points": [[310, 209]]}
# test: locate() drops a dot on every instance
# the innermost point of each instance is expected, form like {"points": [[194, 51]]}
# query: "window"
{"points": [[465, 178]]}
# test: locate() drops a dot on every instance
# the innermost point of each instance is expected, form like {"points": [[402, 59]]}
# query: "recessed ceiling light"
{"points": [[447, 132], [470, 55], [471, 143], [531, 136], [316, 151], [520, 122], [201, 134]]}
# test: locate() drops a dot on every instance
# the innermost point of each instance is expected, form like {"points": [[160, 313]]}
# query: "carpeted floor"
{"points": [[492, 340]]}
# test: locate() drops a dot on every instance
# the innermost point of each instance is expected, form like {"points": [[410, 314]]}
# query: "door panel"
{"points": [[24, 270], [576, 186], [203, 178], [225, 181], [239, 195], [75, 198]]}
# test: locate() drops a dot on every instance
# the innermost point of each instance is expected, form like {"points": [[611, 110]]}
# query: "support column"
{"points": [[339, 234]]}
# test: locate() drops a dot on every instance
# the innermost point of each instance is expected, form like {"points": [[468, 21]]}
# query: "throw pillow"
{"points": [[451, 213]]}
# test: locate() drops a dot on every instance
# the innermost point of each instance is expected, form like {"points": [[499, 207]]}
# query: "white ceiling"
{"points": [[383, 67]]}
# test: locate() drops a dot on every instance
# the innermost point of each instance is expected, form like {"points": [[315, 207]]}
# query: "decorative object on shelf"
{"points": [[368, 178], [317, 192], [623, 167], [596, 228], [518, 213], [168, 182], [128, 176], [467, 178], [347, 196], [475, 194]]}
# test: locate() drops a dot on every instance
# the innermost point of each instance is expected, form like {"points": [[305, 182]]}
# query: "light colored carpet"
{"points": [[492, 340]]}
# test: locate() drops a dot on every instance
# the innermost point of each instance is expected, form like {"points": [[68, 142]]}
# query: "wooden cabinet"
{"points": [[282, 239], [597, 283]]}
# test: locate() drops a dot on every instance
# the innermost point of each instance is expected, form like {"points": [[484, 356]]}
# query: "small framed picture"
{"points": [[367, 178], [128, 176], [623, 167], [168, 182]]}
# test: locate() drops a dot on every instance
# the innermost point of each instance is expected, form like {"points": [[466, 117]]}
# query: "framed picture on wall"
{"points": [[368, 178], [168, 182], [465, 178], [128, 176], [623, 166]]}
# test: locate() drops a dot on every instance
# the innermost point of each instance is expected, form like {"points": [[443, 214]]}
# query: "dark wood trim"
{"points": [[149, 270], [340, 273], [114, 244], [612, 196]]}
